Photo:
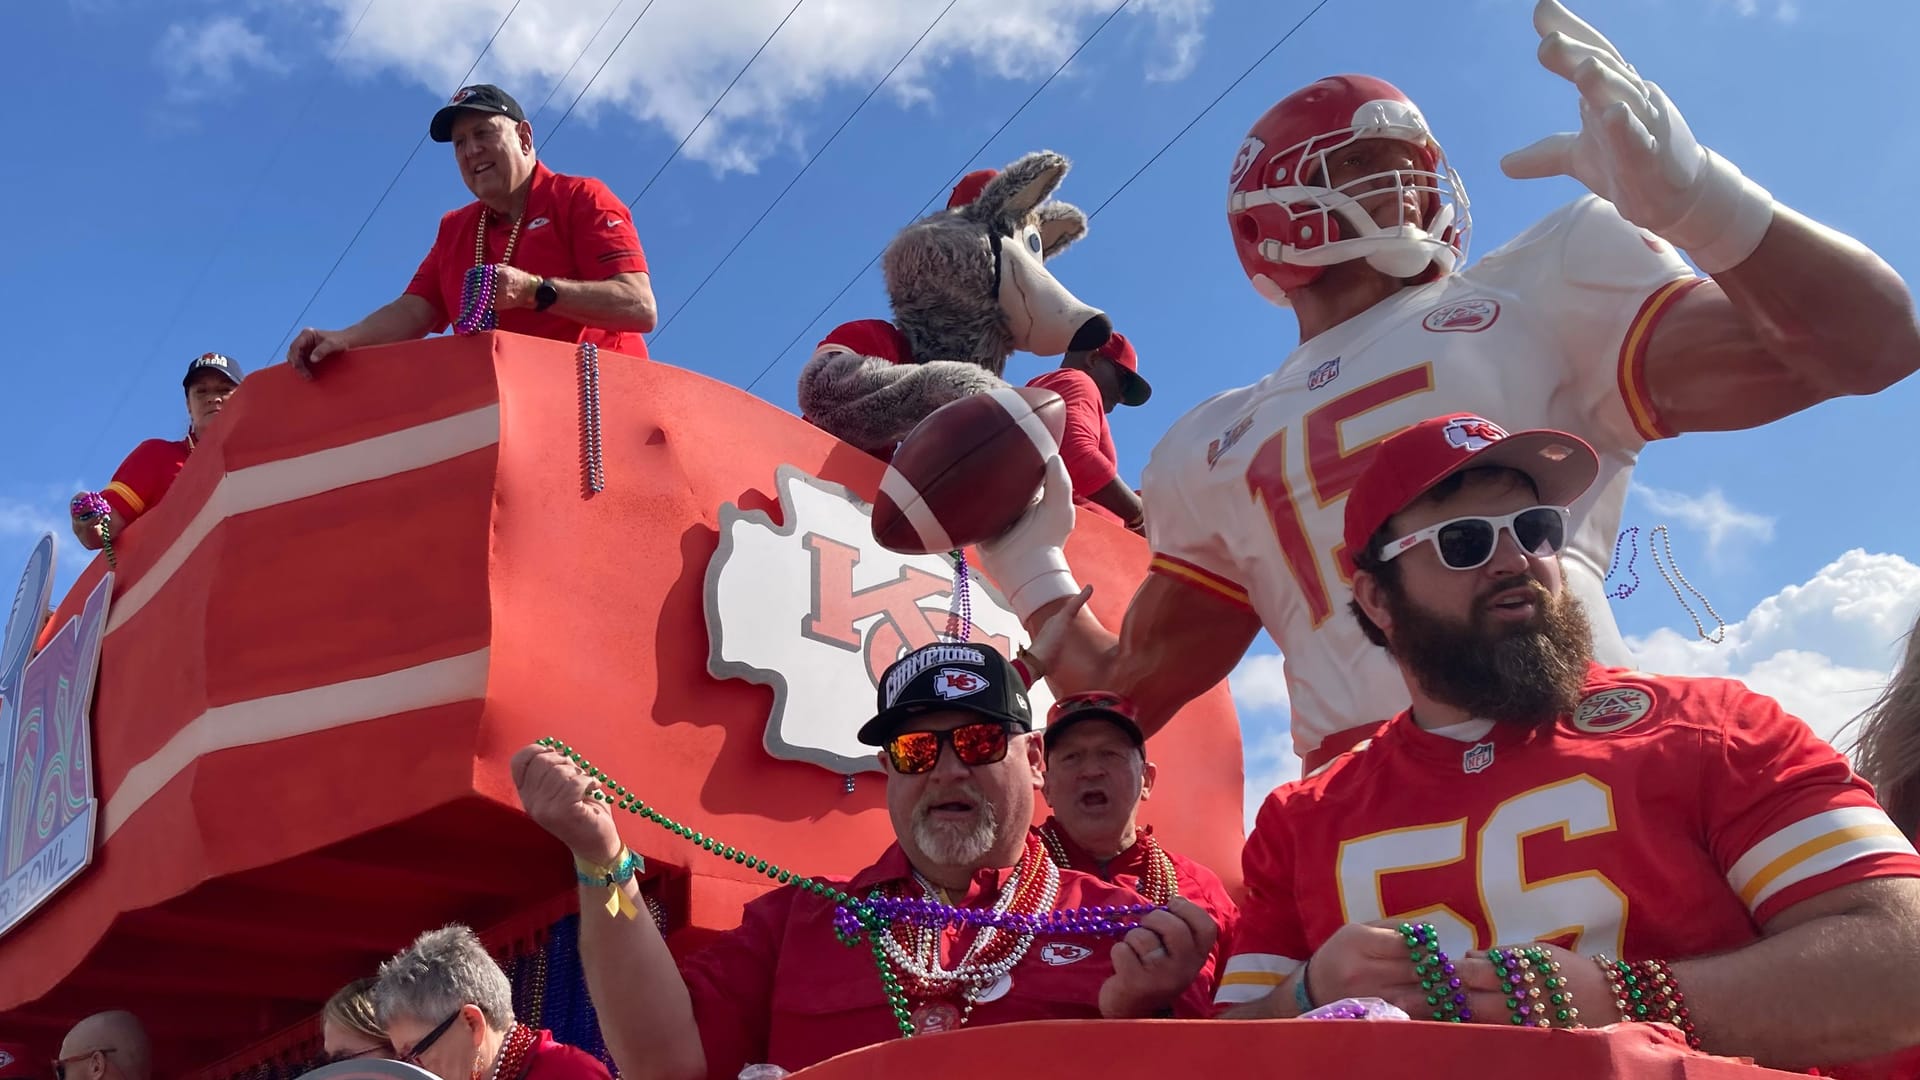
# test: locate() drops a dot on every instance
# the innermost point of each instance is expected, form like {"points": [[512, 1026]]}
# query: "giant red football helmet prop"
{"points": [[1289, 226]]}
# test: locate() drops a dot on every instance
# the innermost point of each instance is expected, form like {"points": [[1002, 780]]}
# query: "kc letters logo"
{"points": [[816, 609]]}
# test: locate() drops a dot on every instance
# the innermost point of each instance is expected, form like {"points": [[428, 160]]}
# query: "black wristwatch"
{"points": [[544, 295]]}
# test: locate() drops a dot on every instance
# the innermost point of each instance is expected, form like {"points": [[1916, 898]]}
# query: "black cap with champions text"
{"points": [[482, 98], [948, 675]]}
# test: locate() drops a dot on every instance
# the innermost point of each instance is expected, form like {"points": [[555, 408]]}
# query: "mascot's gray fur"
{"points": [[968, 288]]}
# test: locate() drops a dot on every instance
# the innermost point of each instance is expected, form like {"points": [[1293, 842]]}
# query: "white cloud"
{"points": [[1710, 514], [1823, 648], [1266, 740], [683, 54], [199, 61], [1785, 11]]}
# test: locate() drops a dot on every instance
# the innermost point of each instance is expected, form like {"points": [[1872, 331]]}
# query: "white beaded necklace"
{"points": [[923, 962]]}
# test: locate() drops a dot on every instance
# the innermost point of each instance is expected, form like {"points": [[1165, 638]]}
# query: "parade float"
{"points": [[364, 593]]}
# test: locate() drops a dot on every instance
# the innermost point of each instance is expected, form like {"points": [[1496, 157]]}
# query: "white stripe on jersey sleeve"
{"points": [[1252, 976], [1810, 846]]}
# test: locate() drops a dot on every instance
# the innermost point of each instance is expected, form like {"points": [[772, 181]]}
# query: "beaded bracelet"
{"points": [[1646, 992], [1436, 973], [1303, 997], [1520, 969], [611, 878]]}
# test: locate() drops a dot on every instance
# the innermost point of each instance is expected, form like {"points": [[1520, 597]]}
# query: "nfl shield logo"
{"points": [[1324, 374], [1478, 758]]}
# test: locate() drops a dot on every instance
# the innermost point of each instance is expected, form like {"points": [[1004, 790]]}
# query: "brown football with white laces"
{"points": [[968, 471]]}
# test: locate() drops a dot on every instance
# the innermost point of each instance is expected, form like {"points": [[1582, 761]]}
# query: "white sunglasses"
{"points": [[1468, 543]]}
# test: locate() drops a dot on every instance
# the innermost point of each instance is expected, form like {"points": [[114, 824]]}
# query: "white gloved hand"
{"points": [[1029, 561], [1635, 150]]}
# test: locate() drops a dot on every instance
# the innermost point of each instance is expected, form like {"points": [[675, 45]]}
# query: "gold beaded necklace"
{"points": [[480, 238], [1158, 885]]}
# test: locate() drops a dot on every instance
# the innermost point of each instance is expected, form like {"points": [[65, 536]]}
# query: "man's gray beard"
{"points": [[953, 843]]}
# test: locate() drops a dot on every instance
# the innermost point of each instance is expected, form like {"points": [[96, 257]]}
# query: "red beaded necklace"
{"points": [[515, 1050], [1158, 885]]}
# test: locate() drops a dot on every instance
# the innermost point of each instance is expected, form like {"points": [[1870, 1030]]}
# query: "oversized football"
{"points": [[968, 471]]}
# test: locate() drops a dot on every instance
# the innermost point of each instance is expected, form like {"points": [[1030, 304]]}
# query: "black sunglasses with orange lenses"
{"points": [[980, 743]]}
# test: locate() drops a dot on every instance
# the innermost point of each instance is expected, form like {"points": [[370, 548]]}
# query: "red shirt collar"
{"points": [[1131, 861]]}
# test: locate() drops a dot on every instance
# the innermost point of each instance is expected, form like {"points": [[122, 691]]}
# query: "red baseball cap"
{"points": [[15, 1061], [1114, 708], [970, 187], [1118, 349], [1415, 458]]}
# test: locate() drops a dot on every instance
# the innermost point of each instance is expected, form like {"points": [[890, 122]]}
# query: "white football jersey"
{"points": [[1246, 494]]}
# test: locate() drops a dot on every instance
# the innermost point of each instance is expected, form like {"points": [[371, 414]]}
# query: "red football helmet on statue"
{"points": [[1288, 226]]}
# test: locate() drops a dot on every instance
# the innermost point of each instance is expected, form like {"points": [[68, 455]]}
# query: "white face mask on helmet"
{"points": [[1288, 225]]}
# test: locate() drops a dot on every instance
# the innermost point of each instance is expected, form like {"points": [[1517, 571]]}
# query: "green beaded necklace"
{"points": [[622, 799]]}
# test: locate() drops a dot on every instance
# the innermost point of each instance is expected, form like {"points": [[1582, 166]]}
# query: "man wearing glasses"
{"points": [[1097, 775], [105, 1046], [961, 765], [1736, 873]]}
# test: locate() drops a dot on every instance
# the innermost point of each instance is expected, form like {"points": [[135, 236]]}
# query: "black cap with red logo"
{"points": [[943, 676]]}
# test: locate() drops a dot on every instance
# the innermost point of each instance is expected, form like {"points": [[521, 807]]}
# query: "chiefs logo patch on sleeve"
{"points": [[1465, 317], [1613, 709]]}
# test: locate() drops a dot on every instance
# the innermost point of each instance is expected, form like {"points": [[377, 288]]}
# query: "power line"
{"points": [[368, 220], [688, 302], [947, 187], [581, 96], [582, 55], [1218, 98], [226, 235], [716, 104]]}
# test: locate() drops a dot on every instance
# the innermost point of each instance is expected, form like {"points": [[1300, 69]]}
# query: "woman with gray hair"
{"points": [[447, 1008]]}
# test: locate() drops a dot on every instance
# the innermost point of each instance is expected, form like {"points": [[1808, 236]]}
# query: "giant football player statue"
{"points": [[1343, 207]]}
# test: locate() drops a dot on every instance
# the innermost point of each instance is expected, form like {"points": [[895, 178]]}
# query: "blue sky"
{"points": [[183, 174]]}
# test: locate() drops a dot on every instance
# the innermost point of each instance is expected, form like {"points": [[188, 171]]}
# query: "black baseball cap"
{"points": [[948, 675], [480, 97], [216, 361], [1114, 708]]}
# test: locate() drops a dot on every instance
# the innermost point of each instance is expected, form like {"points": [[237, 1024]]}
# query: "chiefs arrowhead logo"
{"points": [[1465, 317], [953, 683], [816, 609], [1242, 161], [1471, 433], [1060, 953], [462, 94]]}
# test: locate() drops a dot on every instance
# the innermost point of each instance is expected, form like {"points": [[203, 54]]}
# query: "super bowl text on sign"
{"points": [[816, 609], [47, 818]]}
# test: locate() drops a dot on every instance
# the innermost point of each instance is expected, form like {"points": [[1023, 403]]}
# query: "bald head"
{"points": [[122, 1046]]}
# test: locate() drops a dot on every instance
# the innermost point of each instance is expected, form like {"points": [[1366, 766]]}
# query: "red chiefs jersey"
{"points": [[1666, 818], [144, 477]]}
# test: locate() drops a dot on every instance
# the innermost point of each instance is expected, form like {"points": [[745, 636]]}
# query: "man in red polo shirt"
{"points": [[568, 261], [1093, 384], [148, 471], [961, 767], [1097, 777]]}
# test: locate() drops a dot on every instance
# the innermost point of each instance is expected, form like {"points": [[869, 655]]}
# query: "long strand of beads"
{"points": [[960, 611], [89, 505], [596, 476], [1023, 895], [476, 301], [1436, 972], [1630, 536], [1670, 570]]}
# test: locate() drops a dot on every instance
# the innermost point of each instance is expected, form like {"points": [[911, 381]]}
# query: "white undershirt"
{"points": [[1465, 731]]}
